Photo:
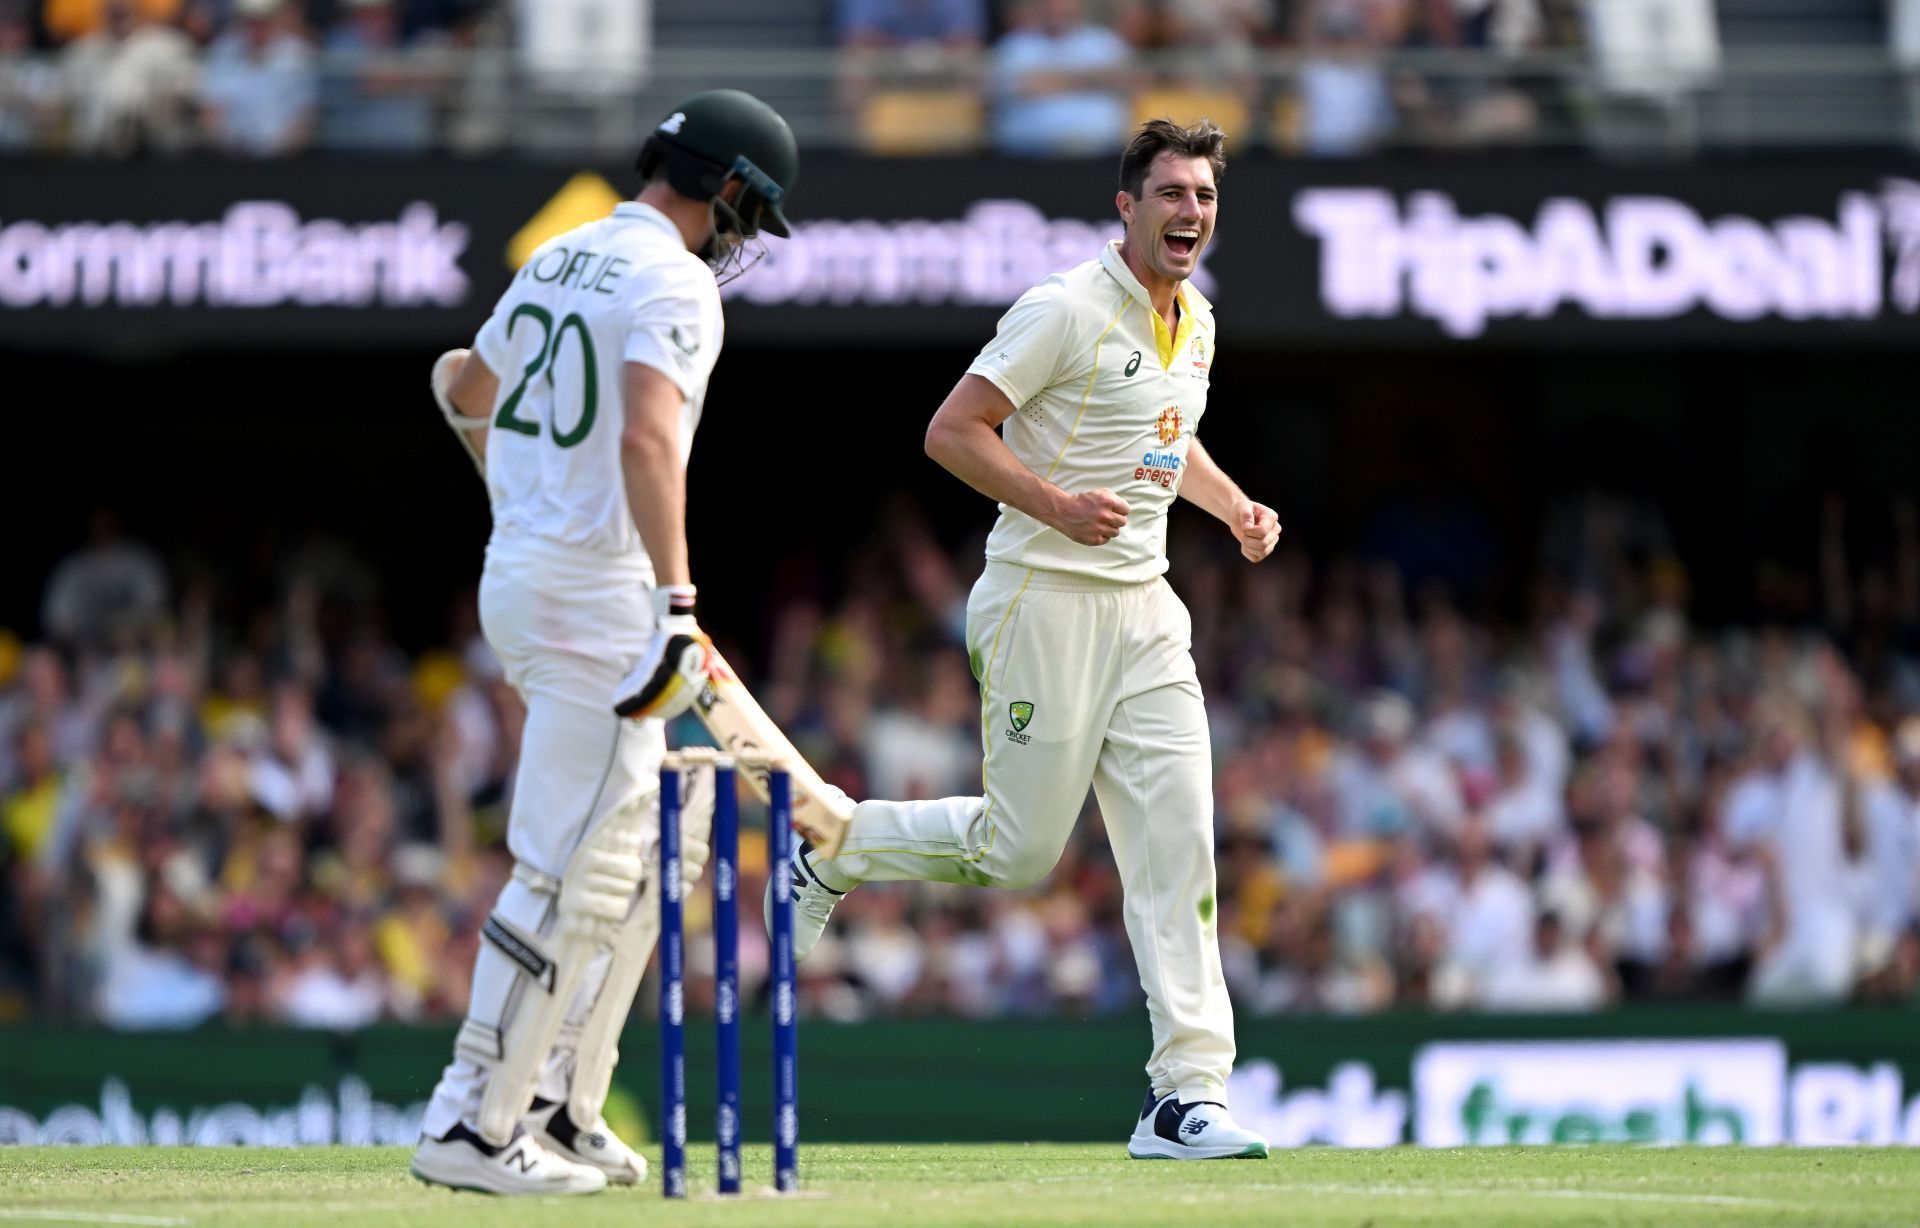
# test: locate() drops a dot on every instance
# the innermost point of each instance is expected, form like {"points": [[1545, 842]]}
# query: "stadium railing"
{"points": [[487, 101]]}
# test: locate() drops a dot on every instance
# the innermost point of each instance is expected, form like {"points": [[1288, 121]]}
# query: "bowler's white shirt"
{"points": [[1104, 396]]}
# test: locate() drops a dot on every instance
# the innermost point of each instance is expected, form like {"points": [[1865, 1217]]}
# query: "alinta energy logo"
{"points": [[1160, 466], [1618, 258]]}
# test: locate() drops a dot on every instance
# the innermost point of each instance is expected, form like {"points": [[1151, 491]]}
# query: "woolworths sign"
{"points": [[347, 1115], [1729, 1091], [1705, 1076], [1465, 1094]]}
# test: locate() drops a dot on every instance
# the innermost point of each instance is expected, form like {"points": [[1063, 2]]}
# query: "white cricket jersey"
{"points": [[1104, 396], [619, 290]]}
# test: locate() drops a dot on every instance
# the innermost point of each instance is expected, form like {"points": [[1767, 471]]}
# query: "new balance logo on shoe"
{"points": [[520, 1158], [1170, 1129]]}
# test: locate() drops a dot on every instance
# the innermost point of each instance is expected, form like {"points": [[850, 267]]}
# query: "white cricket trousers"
{"points": [[1085, 681], [567, 625]]}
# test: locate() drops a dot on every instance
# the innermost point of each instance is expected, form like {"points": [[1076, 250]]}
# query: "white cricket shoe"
{"points": [[813, 902], [1194, 1130], [464, 1161], [597, 1146]]}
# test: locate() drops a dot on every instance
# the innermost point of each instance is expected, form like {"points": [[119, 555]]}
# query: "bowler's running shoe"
{"points": [[813, 901], [1171, 1129], [462, 1160], [596, 1146]]}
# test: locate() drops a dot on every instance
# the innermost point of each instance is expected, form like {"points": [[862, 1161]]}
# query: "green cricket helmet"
{"points": [[720, 135]]}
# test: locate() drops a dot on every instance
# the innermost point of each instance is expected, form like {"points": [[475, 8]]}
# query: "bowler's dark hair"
{"points": [[1157, 136]]}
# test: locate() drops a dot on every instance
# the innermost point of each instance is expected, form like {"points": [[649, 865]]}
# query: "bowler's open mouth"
{"points": [[1183, 241]]}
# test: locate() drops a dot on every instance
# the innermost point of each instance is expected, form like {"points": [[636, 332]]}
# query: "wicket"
{"points": [[725, 874]]}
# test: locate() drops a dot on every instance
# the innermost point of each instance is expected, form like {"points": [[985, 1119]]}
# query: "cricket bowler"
{"points": [[1079, 419], [578, 402]]}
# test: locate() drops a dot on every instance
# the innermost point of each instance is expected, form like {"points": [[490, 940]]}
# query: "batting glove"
{"points": [[674, 667]]}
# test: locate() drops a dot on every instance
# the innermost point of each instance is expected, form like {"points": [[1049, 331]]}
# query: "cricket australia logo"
{"points": [[671, 125], [1159, 465], [1020, 712]]}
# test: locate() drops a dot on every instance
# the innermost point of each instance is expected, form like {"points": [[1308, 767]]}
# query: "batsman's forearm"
{"points": [[474, 440], [463, 387], [657, 497], [974, 452], [1207, 486]]}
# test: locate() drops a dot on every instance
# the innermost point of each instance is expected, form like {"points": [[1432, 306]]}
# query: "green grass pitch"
{"points": [[1041, 1184]]}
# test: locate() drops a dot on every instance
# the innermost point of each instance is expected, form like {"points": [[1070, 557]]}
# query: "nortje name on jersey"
{"points": [[577, 269]]}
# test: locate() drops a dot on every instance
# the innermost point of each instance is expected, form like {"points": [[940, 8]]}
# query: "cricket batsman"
{"points": [[1079, 419], [578, 401]]}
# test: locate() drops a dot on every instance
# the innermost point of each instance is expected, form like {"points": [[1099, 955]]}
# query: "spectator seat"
{"points": [[909, 121], [1185, 106]]}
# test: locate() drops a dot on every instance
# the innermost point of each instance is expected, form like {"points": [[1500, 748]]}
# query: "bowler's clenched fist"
{"points": [[1257, 527], [1095, 518]]}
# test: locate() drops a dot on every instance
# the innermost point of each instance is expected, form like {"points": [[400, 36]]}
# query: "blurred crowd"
{"points": [[249, 78], [263, 78], [262, 808], [1321, 77]]}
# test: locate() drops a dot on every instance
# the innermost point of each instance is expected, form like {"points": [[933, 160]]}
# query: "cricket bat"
{"points": [[730, 713], [737, 721]]}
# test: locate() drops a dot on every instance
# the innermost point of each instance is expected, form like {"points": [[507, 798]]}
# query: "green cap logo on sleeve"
{"points": [[1022, 712]]}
